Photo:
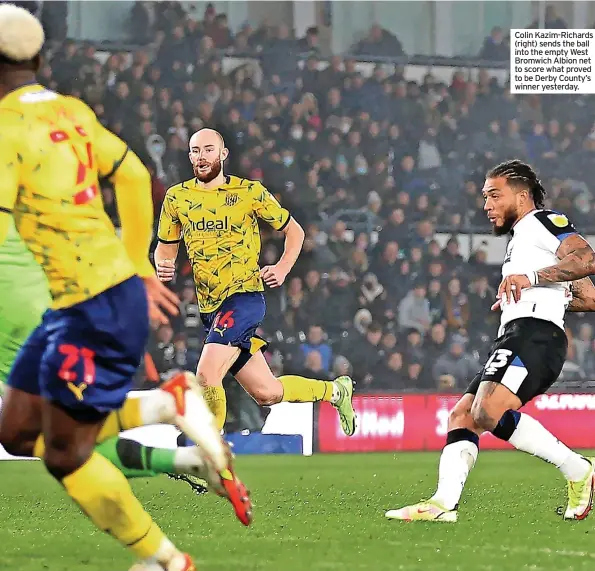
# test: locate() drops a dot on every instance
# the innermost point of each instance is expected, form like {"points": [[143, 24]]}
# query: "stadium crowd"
{"points": [[372, 167]]}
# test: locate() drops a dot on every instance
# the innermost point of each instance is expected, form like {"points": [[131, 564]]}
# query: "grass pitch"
{"points": [[323, 513]]}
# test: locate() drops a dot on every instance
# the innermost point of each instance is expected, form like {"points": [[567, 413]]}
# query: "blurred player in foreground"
{"points": [[24, 298], [217, 215], [77, 366], [545, 259]]}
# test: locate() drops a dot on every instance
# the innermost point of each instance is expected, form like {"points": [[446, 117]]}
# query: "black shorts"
{"points": [[527, 359]]}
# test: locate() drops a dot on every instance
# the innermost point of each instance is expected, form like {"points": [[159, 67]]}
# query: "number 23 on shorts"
{"points": [[499, 359]]}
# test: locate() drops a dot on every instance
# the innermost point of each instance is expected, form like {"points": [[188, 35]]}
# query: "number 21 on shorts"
{"points": [[74, 356]]}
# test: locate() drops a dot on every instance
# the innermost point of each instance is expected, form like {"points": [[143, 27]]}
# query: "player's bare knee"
{"points": [[202, 379], [267, 396], [208, 379], [483, 417], [460, 415], [62, 459], [459, 418]]}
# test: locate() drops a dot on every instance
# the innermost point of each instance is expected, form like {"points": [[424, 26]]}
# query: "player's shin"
{"points": [[217, 401], [529, 435], [135, 460], [103, 493], [301, 389], [457, 459]]}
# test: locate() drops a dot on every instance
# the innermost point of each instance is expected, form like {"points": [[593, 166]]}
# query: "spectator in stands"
{"points": [[163, 350], [451, 256], [316, 342], [481, 296], [385, 267], [417, 377], [367, 354], [539, 146], [395, 229], [143, 22], [414, 310], [495, 48], [392, 376], [183, 358], [341, 367], [457, 364], [436, 300], [310, 43], [220, 33], [552, 20], [342, 301], [379, 42], [314, 367], [456, 304], [513, 140], [436, 344]]}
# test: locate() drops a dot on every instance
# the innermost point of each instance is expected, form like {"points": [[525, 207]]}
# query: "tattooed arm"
{"points": [[583, 295], [577, 260]]}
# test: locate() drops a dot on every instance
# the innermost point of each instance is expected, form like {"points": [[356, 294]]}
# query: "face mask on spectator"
{"points": [[362, 169], [345, 126], [288, 160], [297, 133]]}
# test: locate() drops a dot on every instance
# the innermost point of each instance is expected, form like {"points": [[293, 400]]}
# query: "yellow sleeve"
{"points": [[110, 151], [9, 180], [267, 207], [132, 183], [170, 229]]}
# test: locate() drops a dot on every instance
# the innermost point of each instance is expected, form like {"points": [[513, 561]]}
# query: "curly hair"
{"points": [[519, 174]]}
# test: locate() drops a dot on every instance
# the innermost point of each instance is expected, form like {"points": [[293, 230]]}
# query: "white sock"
{"points": [[157, 407], [336, 394], [532, 437], [165, 553], [188, 460], [455, 464]]}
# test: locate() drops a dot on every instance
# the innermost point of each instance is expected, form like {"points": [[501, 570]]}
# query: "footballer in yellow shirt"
{"points": [[217, 217], [78, 364]]}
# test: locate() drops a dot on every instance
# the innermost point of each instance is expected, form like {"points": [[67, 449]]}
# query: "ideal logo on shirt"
{"points": [[204, 225]]}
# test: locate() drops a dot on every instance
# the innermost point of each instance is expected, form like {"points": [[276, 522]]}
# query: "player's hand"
{"points": [[166, 270], [273, 276], [511, 286], [496, 305], [161, 300]]}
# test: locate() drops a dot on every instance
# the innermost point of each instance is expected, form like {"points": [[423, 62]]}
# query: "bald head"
{"points": [[206, 137], [207, 155]]}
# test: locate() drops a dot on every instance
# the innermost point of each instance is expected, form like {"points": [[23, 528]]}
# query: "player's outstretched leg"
{"points": [[258, 380], [338, 392], [458, 458], [529, 435], [495, 409], [136, 460], [180, 402]]}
